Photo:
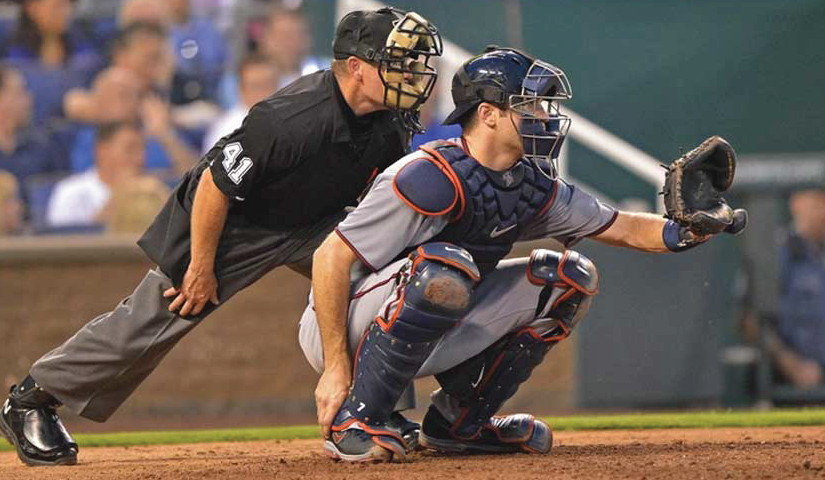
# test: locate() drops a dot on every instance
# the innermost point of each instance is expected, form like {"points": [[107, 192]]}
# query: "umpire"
{"points": [[264, 196]]}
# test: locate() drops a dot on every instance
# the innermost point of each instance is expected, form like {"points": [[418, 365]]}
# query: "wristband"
{"points": [[678, 238]]}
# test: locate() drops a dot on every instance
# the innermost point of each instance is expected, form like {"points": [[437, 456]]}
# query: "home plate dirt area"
{"points": [[726, 453]]}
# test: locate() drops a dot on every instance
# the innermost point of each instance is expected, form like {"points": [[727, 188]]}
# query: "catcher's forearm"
{"points": [[636, 230], [331, 266]]}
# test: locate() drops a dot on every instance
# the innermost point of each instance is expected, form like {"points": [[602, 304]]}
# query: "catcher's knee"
{"points": [[574, 280], [437, 290]]}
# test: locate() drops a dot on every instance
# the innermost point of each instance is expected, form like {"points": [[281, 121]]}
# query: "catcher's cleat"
{"points": [[29, 421], [409, 430], [519, 432], [352, 440]]}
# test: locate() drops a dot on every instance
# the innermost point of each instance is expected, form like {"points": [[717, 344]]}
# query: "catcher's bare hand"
{"points": [[199, 286], [332, 390]]}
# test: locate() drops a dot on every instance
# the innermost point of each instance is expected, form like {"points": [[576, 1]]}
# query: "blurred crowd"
{"points": [[105, 103]]}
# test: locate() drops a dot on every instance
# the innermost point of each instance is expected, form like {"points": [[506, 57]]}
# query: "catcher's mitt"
{"points": [[694, 184]]}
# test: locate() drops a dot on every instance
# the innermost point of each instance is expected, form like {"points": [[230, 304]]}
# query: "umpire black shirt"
{"points": [[299, 156]]}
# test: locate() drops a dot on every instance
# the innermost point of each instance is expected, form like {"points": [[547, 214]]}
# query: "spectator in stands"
{"points": [[11, 209], [118, 96], [144, 11], [799, 346], [224, 14], [53, 56], [133, 88], [140, 51], [133, 206], [258, 80], [200, 55], [115, 95], [197, 61], [143, 49], [97, 9], [24, 152], [81, 199], [286, 41]]}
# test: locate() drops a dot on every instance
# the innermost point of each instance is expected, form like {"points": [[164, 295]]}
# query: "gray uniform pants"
{"points": [[505, 301], [97, 369]]}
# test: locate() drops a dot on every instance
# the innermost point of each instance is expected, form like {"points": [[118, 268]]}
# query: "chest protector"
{"points": [[488, 210]]}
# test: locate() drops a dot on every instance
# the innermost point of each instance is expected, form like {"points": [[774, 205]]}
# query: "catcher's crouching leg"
{"points": [[461, 416], [434, 291]]}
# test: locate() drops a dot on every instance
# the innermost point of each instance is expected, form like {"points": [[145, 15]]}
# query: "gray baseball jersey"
{"points": [[383, 226]]}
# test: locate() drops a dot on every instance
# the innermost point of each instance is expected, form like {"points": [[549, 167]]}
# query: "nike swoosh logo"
{"points": [[496, 232], [480, 376], [7, 407]]}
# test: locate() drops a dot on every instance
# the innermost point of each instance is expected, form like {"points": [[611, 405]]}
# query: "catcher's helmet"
{"points": [[510, 78]]}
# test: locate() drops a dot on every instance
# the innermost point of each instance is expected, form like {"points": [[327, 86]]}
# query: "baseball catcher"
{"points": [[429, 292]]}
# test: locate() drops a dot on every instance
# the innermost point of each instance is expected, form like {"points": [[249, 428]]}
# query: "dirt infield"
{"points": [[735, 453]]}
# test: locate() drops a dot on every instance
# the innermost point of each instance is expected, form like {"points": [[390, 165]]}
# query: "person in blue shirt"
{"points": [[132, 89], [799, 352], [24, 151], [52, 54], [285, 39], [200, 55]]}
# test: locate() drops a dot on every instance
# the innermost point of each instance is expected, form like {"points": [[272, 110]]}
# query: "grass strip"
{"points": [[172, 437], [701, 419]]}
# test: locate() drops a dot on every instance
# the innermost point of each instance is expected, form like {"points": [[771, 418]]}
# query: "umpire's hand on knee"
{"points": [[332, 390], [199, 286]]}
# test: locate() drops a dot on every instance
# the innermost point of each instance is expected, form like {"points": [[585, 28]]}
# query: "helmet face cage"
{"points": [[543, 126], [404, 63]]}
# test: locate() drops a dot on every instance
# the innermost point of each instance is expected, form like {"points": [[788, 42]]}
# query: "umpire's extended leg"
{"points": [[92, 373], [96, 370]]}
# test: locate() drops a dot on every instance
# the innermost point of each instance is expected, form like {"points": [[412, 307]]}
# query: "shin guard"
{"points": [[479, 386], [434, 291]]}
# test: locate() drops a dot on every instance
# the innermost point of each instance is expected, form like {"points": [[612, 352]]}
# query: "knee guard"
{"points": [[434, 292], [570, 281], [479, 386]]}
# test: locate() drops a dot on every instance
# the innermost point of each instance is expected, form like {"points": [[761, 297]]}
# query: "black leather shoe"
{"points": [[29, 421]]}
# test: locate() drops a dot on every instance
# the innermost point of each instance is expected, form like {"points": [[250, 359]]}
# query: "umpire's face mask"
{"points": [[404, 66], [543, 126]]}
